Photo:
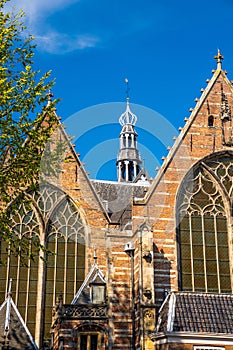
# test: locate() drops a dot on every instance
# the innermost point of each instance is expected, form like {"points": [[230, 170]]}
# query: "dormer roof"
{"points": [[13, 330], [95, 276]]}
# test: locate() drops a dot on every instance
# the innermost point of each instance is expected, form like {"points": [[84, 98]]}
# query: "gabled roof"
{"points": [[191, 312], [13, 327], [219, 72], [83, 295]]}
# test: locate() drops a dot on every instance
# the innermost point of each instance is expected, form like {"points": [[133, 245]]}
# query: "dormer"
{"points": [[98, 289]]}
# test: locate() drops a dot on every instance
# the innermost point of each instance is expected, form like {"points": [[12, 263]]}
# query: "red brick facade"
{"points": [[137, 283], [154, 227]]}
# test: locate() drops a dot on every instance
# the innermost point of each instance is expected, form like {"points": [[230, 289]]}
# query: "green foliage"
{"points": [[25, 124]]}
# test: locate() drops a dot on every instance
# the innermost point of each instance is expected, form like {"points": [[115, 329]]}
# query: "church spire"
{"points": [[219, 59], [128, 160]]}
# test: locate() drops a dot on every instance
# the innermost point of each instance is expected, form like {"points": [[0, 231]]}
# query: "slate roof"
{"points": [[117, 197], [83, 295], [196, 313], [18, 335]]}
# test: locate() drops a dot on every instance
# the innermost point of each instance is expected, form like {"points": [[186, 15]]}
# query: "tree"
{"points": [[25, 124]]}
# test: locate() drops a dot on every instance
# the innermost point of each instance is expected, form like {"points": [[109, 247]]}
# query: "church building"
{"points": [[137, 263]]}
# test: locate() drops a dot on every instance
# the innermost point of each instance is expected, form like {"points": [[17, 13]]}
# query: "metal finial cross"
{"points": [[219, 57]]}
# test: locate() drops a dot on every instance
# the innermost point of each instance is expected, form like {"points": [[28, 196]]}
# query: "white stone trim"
{"points": [[171, 312], [198, 347]]}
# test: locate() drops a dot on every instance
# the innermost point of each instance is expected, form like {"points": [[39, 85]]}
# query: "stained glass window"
{"points": [[203, 210]]}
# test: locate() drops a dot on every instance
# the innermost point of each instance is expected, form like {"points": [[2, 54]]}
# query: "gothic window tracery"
{"points": [[50, 216], [203, 213]]}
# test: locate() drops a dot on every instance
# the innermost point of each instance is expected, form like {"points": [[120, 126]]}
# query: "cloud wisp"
{"points": [[39, 8], [55, 42], [47, 37]]}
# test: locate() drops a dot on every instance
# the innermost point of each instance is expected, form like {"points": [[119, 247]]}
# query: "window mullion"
{"points": [[17, 281], [65, 271], [191, 251], [55, 270], [216, 247], [204, 251], [75, 264], [28, 283]]}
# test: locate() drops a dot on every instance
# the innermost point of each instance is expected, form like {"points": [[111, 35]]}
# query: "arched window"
{"points": [[210, 120], [51, 217], [65, 268], [25, 224], [203, 210]]}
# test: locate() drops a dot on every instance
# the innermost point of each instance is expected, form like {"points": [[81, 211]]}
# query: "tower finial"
{"points": [[127, 89], [95, 256], [49, 96], [127, 117], [219, 59]]}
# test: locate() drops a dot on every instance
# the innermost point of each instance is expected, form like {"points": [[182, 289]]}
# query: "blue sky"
{"points": [[165, 49]]}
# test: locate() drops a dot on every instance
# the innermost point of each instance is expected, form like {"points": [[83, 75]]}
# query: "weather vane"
{"points": [[127, 88]]}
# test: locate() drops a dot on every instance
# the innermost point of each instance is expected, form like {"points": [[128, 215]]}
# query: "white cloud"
{"points": [[55, 42], [39, 8], [49, 39]]}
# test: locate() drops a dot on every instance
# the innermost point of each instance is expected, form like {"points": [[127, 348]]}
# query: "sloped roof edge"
{"points": [[182, 134], [9, 300], [86, 281]]}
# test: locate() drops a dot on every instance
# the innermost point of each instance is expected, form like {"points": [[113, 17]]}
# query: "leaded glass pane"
{"points": [[186, 251], [223, 253], [198, 266], [187, 281], [211, 266], [210, 238], [197, 238], [225, 284], [198, 252], [185, 237], [199, 281]]}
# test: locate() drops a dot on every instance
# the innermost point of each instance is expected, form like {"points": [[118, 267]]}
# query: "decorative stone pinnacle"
{"points": [[219, 59], [50, 96], [95, 256]]}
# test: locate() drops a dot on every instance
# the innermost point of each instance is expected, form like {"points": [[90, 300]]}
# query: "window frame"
{"points": [[89, 334]]}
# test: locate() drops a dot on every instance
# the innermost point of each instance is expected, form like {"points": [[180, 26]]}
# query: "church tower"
{"points": [[128, 160]]}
